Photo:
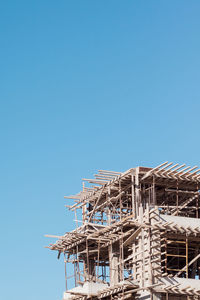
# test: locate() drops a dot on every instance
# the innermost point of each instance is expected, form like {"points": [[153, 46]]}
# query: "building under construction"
{"points": [[139, 237]]}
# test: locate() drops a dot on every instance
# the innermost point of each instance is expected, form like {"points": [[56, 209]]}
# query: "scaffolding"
{"points": [[139, 235]]}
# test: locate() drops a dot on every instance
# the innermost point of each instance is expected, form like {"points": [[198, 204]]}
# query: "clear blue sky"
{"points": [[85, 85]]}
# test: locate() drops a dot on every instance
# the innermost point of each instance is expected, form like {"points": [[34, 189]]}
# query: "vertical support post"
{"points": [[153, 191], [197, 203], [137, 191], [120, 199], [98, 259], [87, 259], [186, 257], [133, 259], [141, 248], [113, 263], [113, 254], [155, 250], [177, 197], [133, 194], [148, 237], [74, 263], [78, 267], [65, 271], [84, 208]]}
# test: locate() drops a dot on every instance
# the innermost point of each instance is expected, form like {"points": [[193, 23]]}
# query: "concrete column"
{"points": [[92, 270], [113, 262]]}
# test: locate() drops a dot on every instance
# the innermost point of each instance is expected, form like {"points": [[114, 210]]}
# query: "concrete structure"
{"points": [[139, 237]]}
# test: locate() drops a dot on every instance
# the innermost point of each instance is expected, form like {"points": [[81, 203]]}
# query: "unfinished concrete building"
{"points": [[139, 235]]}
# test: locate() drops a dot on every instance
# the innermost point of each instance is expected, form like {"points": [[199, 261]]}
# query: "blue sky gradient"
{"points": [[85, 85]]}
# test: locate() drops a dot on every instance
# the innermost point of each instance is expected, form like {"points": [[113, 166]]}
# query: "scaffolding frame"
{"points": [[139, 236]]}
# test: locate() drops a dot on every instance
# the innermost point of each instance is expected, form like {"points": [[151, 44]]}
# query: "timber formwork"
{"points": [[139, 236]]}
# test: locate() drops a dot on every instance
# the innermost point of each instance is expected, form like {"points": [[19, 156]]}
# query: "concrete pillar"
{"points": [[113, 262], [92, 270]]}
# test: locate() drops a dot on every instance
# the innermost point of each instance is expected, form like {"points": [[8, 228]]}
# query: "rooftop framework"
{"points": [[139, 236]]}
